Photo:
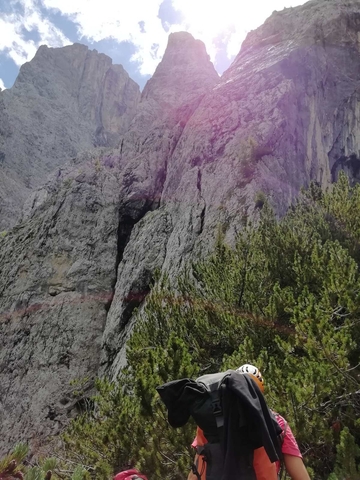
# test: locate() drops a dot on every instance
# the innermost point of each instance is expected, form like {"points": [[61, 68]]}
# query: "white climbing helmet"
{"points": [[255, 373]]}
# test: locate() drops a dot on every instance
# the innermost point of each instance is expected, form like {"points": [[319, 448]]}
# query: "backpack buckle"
{"points": [[217, 409]]}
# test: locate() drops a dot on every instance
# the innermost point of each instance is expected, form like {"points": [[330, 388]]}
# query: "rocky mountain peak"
{"points": [[334, 23], [64, 101], [73, 71], [184, 73]]}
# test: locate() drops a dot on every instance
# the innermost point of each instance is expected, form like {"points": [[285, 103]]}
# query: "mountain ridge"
{"points": [[197, 151], [62, 102]]}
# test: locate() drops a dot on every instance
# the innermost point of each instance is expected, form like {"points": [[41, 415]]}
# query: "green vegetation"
{"points": [[260, 200], [67, 183], [97, 164], [15, 466], [286, 298], [250, 153], [12, 463], [248, 162]]}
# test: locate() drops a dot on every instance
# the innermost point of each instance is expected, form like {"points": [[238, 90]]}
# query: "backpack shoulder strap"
{"points": [[282, 471], [284, 429]]}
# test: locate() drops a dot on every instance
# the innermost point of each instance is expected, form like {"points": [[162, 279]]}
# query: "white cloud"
{"points": [[205, 19], [2, 86], [119, 20], [12, 41]]}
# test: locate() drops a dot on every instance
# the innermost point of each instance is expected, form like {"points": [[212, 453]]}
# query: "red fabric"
{"points": [[129, 475], [265, 470], [200, 440]]}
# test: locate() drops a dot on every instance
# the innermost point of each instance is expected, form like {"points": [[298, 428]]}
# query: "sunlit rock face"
{"points": [[169, 100], [290, 96], [303, 64], [64, 101], [193, 158], [62, 267], [282, 115]]}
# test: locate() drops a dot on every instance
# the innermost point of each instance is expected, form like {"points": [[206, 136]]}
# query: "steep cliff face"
{"points": [[64, 101], [310, 55], [288, 103], [194, 157], [57, 274], [169, 99], [60, 266]]}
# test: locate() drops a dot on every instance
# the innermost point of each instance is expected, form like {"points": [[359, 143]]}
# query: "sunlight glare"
{"points": [[227, 21], [211, 20], [210, 16]]}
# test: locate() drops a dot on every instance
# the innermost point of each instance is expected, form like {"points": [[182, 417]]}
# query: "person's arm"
{"points": [[192, 476], [295, 467]]}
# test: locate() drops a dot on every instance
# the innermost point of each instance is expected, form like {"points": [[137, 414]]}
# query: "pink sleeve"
{"points": [[289, 445], [199, 439]]}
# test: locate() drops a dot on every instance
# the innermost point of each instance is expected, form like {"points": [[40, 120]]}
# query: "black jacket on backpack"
{"points": [[243, 397], [247, 422]]}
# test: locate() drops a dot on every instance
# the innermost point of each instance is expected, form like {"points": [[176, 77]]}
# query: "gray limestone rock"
{"points": [[71, 264], [64, 101], [169, 99], [57, 274]]}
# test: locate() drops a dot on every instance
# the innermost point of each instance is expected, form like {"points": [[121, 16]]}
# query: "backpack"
{"points": [[233, 435], [132, 474]]}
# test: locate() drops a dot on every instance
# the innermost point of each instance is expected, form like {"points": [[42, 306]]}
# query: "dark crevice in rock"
{"points": [[202, 220], [52, 414], [352, 162], [100, 139], [140, 290], [84, 404], [161, 179], [134, 300], [129, 216], [198, 181], [335, 151], [203, 211]]}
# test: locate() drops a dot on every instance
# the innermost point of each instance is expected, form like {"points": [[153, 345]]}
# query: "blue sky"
{"points": [[132, 32]]}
